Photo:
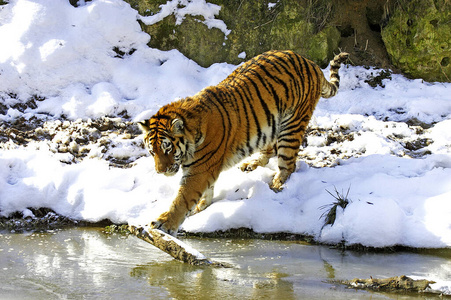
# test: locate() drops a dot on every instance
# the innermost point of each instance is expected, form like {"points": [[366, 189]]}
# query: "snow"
{"points": [[272, 5], [196, 254], [93, 61], [181, 8]]}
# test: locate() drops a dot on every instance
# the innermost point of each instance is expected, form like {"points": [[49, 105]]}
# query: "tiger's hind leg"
{"points": [[261, 160], [287, 164], [288, 144]]}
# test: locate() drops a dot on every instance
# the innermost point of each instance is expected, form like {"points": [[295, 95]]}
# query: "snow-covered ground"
{"points": [[390, 146]]}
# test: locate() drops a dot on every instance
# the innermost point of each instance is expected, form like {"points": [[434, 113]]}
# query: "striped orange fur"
{"points": [[264, 106]]}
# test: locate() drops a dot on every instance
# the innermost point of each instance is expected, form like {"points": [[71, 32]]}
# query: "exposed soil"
{"points": [[41, 219], [78, 139], [360, 23]]}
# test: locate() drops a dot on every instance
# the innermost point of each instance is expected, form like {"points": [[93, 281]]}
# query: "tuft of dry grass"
{"points": [[341, 200]]}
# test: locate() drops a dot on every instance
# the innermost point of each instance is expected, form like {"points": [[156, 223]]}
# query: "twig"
{"points": [[444, 73]]}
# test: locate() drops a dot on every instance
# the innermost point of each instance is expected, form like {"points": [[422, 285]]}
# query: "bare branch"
{"points": [[174, 247]]}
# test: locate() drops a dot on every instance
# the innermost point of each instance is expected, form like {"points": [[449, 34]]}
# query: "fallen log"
{"points": [[174, 247], [393, 284]]}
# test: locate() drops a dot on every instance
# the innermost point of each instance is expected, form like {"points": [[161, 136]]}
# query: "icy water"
{"points": [[85, 263]]}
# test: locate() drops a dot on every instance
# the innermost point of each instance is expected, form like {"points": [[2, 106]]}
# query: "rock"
{"points": [[255, 27], [295, 29], [418, 39]]}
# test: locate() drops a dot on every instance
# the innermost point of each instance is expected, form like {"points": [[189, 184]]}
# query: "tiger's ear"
{"points": [[144, 126], [177, 126]]}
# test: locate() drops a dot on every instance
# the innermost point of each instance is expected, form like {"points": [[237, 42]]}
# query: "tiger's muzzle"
{"points": [[168, 171]]}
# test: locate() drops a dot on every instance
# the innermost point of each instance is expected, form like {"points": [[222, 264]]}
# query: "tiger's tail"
{"points": [[330, 88]]}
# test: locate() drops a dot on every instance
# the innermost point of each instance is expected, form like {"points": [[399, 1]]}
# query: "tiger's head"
{"points": [[164, 138]]}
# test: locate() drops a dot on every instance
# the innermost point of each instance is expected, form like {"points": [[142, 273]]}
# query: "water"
{"points": [[85, 263]]}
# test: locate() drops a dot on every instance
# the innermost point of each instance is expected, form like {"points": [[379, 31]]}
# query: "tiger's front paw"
{"points": [[164, 223]]}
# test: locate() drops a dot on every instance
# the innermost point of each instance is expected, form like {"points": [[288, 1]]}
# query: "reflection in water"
{"points": [[329, 270], [181, 280], [85, 263], [276, 286], [191, 282]]}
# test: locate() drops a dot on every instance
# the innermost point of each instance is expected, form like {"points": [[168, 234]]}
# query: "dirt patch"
{"points": [[111, 139], [360, 24], [327, 147], [38, 219]]}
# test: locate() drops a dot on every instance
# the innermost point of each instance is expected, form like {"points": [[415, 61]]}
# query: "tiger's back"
{"points": [[264, 105], [266, 94]]}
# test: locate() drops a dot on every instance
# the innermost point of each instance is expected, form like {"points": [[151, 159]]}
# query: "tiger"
{"points": [[263, 106]]}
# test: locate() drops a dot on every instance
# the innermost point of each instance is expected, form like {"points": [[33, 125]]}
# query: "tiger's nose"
{"points": [[160, 168]]}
